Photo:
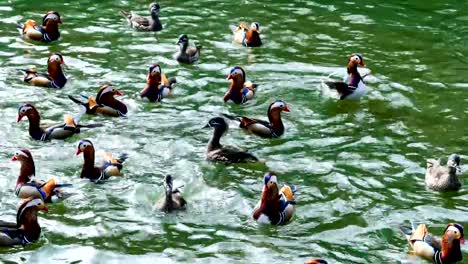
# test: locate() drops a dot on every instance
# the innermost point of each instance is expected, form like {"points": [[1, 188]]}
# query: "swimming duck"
{"points": [[145, 23], [187, 55], [49, 31], [275, 207], [158, 86], [226, 154], [173, 199], [316, 261], [25, 187], [353, 86], [54, 78], [249, 37], [105, 104], [445, 251], [110, 167], [443, 178], [240, 91], [272, 129], [67, 129], [26, 230]]}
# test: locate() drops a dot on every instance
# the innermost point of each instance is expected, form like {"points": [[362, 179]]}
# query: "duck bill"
{"points": [[59, 21], [19, 118], [14, 158], [462, 240], [78, 152], [119, 93], [286, 109], [43, 208]]}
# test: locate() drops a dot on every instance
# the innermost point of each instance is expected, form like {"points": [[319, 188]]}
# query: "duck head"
{"points": [[107, 91], [218, 124], [451, 240], [315, 261], [155, 9], [237, 74], [84, 146], [56, 59], [454, 163], [154, 72], [454, 231], [27, 212], [168, 184], [183, 40], [270, 188], [51, 18], [27, 169], [255, 26], [355, 59], [27, 110], [278, 106]]}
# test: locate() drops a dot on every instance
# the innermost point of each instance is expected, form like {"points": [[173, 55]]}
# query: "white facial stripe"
{"points": [[254, 26], [54, 57], [20, 153], [51, 16], [356, 58], [25, 108], [273, 179], [453, 228], [84, 145], [156, 70], [237, 71], [107, 90], [277, 105]]}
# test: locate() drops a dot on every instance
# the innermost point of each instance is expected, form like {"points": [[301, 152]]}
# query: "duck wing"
{"points": [[343, 88], [231, 155]]}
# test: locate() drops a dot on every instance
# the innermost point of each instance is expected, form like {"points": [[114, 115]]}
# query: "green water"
{"points": [[359, 166]]}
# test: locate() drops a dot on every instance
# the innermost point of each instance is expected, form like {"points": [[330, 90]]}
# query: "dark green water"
{"points": [[359, 166]]}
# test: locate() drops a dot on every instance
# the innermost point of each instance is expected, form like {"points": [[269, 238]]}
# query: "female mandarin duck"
{"points": [[186, 54], [54, 77], [26, 230], [25, 187], [353, 86], [49, 31], [110, 167], [67, 129], [445, 251], [240, 90], [443, 178], [226, 154], [173, 199], [272, 129], [276, 206], [158, 86], [249, 37], [105, 103], [144, 23]]}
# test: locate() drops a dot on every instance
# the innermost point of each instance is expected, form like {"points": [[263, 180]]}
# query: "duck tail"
{"points": [[408, 230], [19, 25], [90, 126], [125, 13], [198, 46], [78, 102], [122, 157], [172, 81]]}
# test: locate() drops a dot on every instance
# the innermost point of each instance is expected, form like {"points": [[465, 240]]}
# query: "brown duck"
{"points": [[49, 31], [105, 103], [54, 77]]}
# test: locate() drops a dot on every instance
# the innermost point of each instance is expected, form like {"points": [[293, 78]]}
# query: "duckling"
{"points": [[443, 178], [105, 104], [240, 91], [353, 86], [316, 261], [216, 152], [54, 78], [67, 129], [49, 31], [187, 55], [275, 207], [110, 167], [426, 245], [249, 37], [26, 230], [26, 188], [145, 23], [158, 86], [173, 199]]}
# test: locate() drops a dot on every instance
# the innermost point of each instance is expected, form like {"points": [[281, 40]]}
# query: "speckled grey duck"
{"points": [[54, 78], [187, 54], [173, 199], [145, 23], [443, 178], [226, 154]]}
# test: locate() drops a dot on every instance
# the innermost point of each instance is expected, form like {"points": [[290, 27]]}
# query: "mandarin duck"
{"points": [[145, 23], [173, 199], [353, 86], [105, 103], [158, 86], [49, 31], [240, 91], [26, 230], [316, 261], [111, 165], [445, 251], [54, 78], [186, 54], [226, 154], [272, 129], [276, 206], [444, 178], [249, 37], [26, 188], [67, 129]]}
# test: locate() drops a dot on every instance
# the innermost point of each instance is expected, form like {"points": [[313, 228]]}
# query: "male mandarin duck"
{"points": [[54, 78], [49, 31], [158, 86], [249, 37], [272, 129], [353, 86], [145, 23], [240, 90], [173, 199], [226, 154], [111, 165], [444, 178], [25, 187], [67, 129], [186, 54], [105, 103], [316, 261], [276, 206], [26, 230], [445, 251]]}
